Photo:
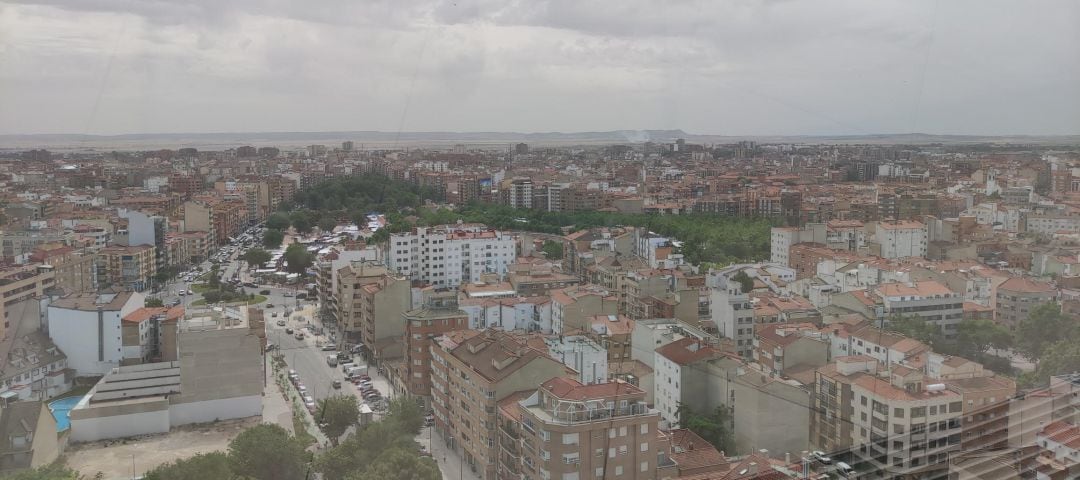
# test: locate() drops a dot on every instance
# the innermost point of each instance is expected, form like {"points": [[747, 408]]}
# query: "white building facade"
{"points": [[448, 255]]}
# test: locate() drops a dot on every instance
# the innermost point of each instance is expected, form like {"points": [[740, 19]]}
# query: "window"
{"points": [[645, 446], [599, 472], [569, 439], [898, 412], [623, 450], [622, 431], [645, 466], [611, 452], [644, 428], [618, 470], [918, 412]]}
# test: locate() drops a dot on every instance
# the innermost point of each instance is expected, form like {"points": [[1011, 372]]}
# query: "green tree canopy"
{"points": [[338, 412], [298, 258], [153, 302], [715, 427], [200, 467], [406, 414], [1044, 326], [277, 221], [399, 464], [552, 250], [272, 238], [53, 471], [267, 452], [256, 256], [745, 282], [302, 220]]}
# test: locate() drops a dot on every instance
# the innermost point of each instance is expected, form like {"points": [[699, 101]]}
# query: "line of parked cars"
{"points": [[309, 401]]}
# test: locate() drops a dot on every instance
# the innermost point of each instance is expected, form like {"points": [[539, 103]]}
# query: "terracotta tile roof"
{"points": [[145, 313], [1024, 285], [691, 452], [571, 389], [1064, 433], [688, 350]]}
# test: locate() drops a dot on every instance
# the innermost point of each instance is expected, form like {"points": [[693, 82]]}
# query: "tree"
{"points": [[399, 464], [301, 220], [298, 258], [201, 466], [53, 471], [975, 337], [152, 302], [407, 414], [744, 280], [338, 413], [277, 221], [715, 428], [256, 256], [916, 327], [1058, 358], [267, 452], [213, 278], [552, 250], [327, 223], [272, 238], [1044, 326]]}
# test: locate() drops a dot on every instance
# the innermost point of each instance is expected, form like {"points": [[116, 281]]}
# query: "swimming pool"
{"points": [[60, 409]]}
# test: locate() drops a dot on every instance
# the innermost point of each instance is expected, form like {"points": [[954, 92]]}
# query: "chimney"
{"points": [[690, 447], [752, 468]]}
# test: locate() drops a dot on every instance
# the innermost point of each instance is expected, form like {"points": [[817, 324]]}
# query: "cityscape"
{"points": [[658, 310], [542, 240]]}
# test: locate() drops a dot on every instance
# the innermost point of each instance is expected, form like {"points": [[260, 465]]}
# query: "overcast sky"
{"points": [[737, 67]]}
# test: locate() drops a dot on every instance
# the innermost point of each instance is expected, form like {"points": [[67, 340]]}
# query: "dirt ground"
{"points": [[113, 458]]}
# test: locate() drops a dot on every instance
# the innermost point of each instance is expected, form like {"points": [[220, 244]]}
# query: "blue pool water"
{"points": [[60, 409]]}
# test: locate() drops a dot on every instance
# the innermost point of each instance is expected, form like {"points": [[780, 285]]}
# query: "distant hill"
{"points": [[374, 139]]}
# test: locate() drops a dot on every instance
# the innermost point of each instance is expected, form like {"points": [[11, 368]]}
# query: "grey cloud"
{"points": [[709, 66]]}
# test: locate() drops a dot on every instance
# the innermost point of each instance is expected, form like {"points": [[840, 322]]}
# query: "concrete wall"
{"points": [[210, 410], [774, 416], [76, 333], [88, 427]]}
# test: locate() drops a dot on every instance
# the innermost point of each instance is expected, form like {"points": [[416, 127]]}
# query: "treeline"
{"points": [[706, 238], [1049, 337]]}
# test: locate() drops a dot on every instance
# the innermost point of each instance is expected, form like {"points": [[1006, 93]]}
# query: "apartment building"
{"points": [[891, 421], [571, 431], [88, 328], [368, 302], [19, 283], [519, 193], [899, 239], [449, 255], [579, 352], [1017, 297], [471, 372], [73, 270], [732, 312], [930, 300], [438, 315], [678, 377], [126, 267], [788, 346], [148, 335], [572, 307]]}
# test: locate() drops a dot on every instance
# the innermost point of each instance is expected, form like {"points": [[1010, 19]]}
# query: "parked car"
{"points": [[300, 387], [329, 347], [274, 315], [288, 331], [264, 292], [821, 457], [269, 305], [336, 384], [299, 335], [281, 323]]}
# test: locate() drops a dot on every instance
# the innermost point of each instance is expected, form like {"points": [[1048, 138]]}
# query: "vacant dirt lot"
{"points": [[113, 459]]}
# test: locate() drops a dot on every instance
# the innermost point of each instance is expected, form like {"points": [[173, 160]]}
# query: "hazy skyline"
{"points": [[779, 67]]}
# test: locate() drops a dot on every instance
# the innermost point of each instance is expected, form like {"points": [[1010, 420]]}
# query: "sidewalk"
{"points": [[275, 409], [451, 465]]}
